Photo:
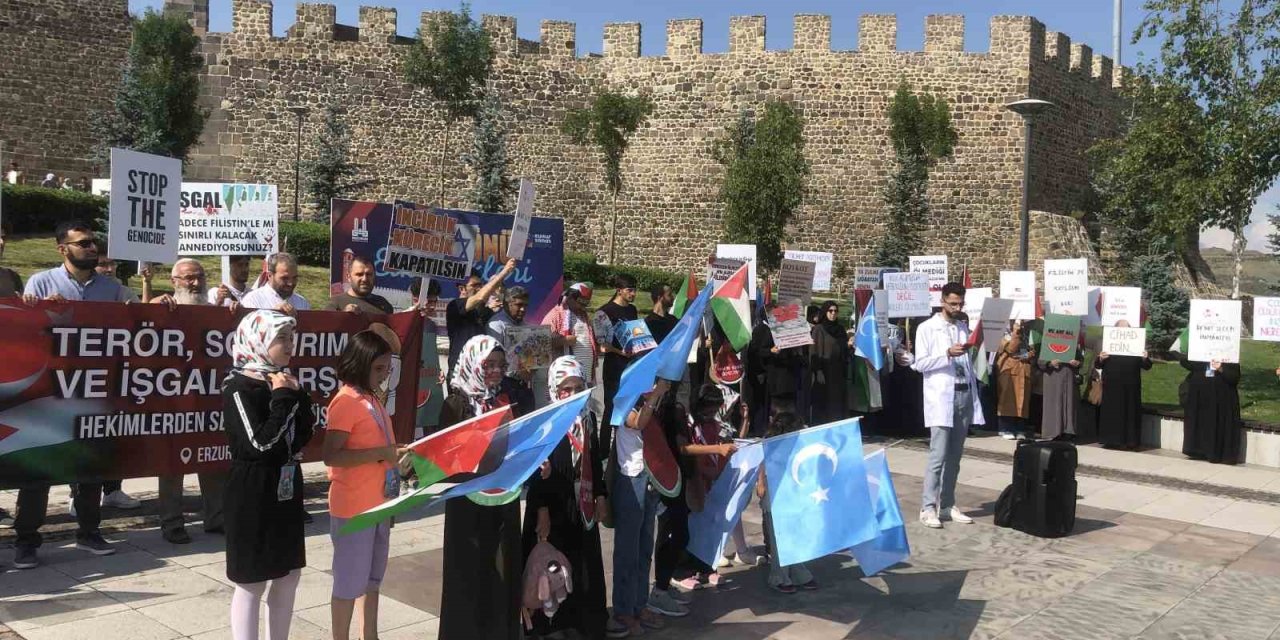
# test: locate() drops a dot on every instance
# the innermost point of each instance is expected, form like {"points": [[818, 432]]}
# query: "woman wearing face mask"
{"points": [[566, 500], [483, 566], [361, 453], [268, 420]]}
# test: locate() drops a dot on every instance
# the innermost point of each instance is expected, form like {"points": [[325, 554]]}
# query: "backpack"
{"points": [[548, 582]]}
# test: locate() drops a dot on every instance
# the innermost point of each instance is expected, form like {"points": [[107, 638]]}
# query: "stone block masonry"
{"points": [[669, 211]]}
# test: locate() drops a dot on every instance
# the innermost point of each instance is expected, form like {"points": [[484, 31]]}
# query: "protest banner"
{"points": [[1066, 287], [1061, 337], [1120, 303], [908, 295], [789, 327], [1020, 287], [634, 337], [1266, 319], [882, 314], [974, 299], [223, 219], [795, 280], [421, 242], [1213, 331], [363, 229], [746, 253], [528, 347], [869, 278], [523, 220], [936, 267], [102, 391], [823, 260], [143, 212], [719, 270], [1124, 341], [995, 322]]}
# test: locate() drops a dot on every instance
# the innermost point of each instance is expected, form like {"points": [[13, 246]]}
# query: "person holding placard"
{"points": [[1211, 411], [1061, 397], [1014, 362], [619, 309], [279, 293], [235, 283], [1120, 412], [359, 296], [829, 362], [773, 372]]}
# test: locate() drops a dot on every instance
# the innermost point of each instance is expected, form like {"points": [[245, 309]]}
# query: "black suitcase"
{"points": [[1042, 499]]}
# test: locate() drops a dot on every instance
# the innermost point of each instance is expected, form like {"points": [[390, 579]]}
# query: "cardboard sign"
{"points": [[421, 243], [745, 253], [1066, 287], [634, 337], [795, 281], [936, 267], [1124, 341], [1214, 331], [523, 220], [907, 295], [974, 299], [1266, 319], [1061, 337], [882, 314], [789, 327], [824, 260], [528, 347], [144, 206], [995, 321], [223, 219], [871, 278], [1020, 287], [720, 270], [1120, 303]]}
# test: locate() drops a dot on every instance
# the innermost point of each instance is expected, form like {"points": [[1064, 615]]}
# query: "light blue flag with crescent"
{"points": [[710, 528], [890, 545], [667, 361], [819, 502], [866, 344]]}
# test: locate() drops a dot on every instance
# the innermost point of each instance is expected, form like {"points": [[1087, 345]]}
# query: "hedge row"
{"points": [[585, 267], [30, 210], [308, 241]]}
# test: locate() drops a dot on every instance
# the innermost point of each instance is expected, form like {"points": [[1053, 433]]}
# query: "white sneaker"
{"points": [[749, 558], [118, 499], [724, 561], [1008, 436], [929, 518], [958, 516]]}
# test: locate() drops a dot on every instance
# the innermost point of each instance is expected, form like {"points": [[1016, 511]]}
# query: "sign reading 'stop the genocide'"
{"points": [[143, 214]]}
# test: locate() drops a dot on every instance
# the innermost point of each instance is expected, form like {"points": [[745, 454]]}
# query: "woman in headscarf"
{"points": [[483, 566], [1211, 406], [1120, 413], [572, 329], [268, 420], [1013, 382], [828, 360], [565, 501]]}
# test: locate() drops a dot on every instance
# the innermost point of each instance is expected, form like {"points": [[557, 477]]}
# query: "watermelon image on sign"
{"points": [[659, 464], [1061, 336]]}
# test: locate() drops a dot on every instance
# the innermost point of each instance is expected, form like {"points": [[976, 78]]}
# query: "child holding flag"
{"points": [[784, 579]]}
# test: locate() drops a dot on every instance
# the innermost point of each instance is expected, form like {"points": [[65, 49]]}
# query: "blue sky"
{"points": [[1086, 21]]}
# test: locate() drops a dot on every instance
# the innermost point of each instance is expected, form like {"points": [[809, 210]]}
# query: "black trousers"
{"points": [[33, 505], [673, 538]]}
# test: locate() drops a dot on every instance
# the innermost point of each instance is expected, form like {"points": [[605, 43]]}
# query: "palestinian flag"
{"points": [[965, 278], [688, 291], [982, 365], [1180, 345], [733, 309]]}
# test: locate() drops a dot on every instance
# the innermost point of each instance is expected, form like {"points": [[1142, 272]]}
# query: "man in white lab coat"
{"points": [[951, 404]]}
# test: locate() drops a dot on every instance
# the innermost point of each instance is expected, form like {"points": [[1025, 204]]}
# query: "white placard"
{"points": [[746, 253], [145, 199], [869, 278], [974, 299], [995, 322], [795, 281], [882, 314], [1124, 341], [824, 260], [1066, 287], [223, 218], [1214, 331], [936, 267], [1266, 319], [907, 295], [719, 270], [522, 220], [1120, 303], [1020, 287]]}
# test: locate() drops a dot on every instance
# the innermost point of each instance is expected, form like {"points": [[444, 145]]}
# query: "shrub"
{"points": [[585, 267], [40, 210], [308, 241]]}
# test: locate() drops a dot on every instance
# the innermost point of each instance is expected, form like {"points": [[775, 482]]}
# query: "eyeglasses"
{"points": [[83, 244]]}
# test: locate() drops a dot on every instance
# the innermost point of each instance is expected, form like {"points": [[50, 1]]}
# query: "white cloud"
{"points": [[1255, 233]]}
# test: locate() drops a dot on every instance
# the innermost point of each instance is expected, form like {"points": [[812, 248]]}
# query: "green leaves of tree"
{"points": [[608, 124]]}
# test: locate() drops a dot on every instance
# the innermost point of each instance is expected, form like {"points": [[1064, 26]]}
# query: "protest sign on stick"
{"points": [[529, 347], [746, 253], [1266, 319], [1066, 287], [1020, 287], [823, 260], [974, 299], [523, 220], [1213, 332], [795, 281], [995, 321], [1120, 303], [788, 326], [145, 199], [1124, 341], [936, 267], [421, 243], [871, 278], [1061, 337], [908, 294]]}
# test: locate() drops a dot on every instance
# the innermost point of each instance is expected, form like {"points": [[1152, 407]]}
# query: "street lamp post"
{"points": [[301, 112], [1028, 108]]}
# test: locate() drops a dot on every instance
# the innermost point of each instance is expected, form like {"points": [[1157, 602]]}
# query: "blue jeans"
{"points": [[946, 446], [635, 506]]}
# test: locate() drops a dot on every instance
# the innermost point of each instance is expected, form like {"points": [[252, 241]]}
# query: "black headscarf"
{"points": [[814, 314], [832, 327]]}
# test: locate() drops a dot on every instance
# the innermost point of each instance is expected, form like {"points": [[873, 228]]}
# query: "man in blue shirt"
{"points": [[75, 279]]}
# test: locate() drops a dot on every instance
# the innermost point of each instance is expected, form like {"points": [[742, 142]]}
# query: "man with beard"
{"points": [[359, 297], [279, 293], [225, 295], [189, 288], [75, 279]]}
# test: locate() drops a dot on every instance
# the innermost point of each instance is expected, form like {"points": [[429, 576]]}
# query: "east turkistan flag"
{"points": [[890, 545], [709, 529], [733, 309]]}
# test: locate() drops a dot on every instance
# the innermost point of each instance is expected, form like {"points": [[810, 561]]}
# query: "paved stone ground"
{"points": [[1144, 561]]}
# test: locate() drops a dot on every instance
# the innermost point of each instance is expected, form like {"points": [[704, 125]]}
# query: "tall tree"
{"points": [[608, 124], [451, 59], [764, 181], [1227, 64], [488, 159], [330, 173], [155, 107], [921, 132]]}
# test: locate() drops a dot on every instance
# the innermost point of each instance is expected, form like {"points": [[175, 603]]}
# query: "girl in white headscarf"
{"points": [[566, 499], [268, 420]]}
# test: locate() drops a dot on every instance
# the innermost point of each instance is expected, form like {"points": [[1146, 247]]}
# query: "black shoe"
{"points": [[25, 558], [177, 536], [95, 544], [307, 517], [218, 530]]}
